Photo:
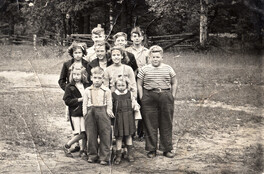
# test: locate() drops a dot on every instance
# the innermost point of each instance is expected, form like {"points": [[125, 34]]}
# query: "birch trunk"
{"points": [[203, 22]]}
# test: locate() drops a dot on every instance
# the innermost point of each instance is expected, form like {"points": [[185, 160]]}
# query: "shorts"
{"points": [[78, 125]]}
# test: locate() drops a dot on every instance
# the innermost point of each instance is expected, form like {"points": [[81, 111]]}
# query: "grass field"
{"points": [[218, 122]]}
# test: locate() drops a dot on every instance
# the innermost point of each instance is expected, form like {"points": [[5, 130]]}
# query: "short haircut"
{"points": [[74, 46], [99, 45], [155, 49], [119, 34], [122, 79], [137, 30], [97, 70], [98, 30], [83, 74]]}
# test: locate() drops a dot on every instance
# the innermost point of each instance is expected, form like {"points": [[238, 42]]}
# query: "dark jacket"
{"points": [[65, 72], [94, 63], [70, 98]]}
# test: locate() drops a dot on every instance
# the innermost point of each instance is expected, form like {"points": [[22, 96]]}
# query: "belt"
{"points": [[159, 90]]}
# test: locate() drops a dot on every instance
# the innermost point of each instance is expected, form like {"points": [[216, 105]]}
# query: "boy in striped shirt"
{"points": [[157, 86]]}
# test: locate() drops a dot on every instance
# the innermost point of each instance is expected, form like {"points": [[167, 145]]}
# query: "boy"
{"points": [[98, 36], [101, 59], [97, 111], [120, 39], [157, 81], [141, 56], [139, 51]]}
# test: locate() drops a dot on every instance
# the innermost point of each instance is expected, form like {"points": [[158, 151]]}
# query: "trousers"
{"points": [[98, 123], [158, 109]]}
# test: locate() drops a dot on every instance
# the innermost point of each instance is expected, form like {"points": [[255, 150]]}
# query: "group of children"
{"points": [[102, 95]]}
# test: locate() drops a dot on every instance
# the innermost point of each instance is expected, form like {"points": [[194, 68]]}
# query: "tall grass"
{"points": [[216, 75], [25, 58]]}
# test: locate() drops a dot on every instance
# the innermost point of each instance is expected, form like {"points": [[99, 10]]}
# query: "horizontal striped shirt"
{"points": [[156, 77]]}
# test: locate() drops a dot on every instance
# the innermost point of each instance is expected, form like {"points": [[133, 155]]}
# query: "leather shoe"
{"points": [[168, 154], [152, 154]]}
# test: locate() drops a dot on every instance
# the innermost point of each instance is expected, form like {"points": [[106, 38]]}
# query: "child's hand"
{"points": [[67, 118], [110, 113], [80, 99]]}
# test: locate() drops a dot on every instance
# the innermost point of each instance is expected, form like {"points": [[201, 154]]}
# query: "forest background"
{"points": [[241, 20]]}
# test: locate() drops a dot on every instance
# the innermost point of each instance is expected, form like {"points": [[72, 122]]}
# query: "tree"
{"points": [[10, 13], [203, 22]]}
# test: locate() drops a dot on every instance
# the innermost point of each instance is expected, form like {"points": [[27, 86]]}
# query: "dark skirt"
{"points": [[124, 123]]}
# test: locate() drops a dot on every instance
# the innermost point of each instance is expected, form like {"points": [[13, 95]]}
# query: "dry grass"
{"points": [[234, 79], [46, 60], [210, 134]]}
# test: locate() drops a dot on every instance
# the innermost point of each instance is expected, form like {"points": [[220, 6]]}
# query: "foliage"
{"points": [[156, 17], [10, 13], [176, 16]]}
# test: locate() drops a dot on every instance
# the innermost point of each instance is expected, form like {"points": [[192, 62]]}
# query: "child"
{"points": [[77, 52], [73, 98], [98, 36], [141, 56], [139, 51], [124, 125], [120, 39], [117, 69], [157, 86], [97, 110], [101, 60]]}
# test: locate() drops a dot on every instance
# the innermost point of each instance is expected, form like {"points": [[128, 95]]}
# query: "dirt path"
{"points": [[39, 129], [49, 81]]}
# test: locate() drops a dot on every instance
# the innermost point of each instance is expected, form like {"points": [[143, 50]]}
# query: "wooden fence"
{"points": [[185, 40]]}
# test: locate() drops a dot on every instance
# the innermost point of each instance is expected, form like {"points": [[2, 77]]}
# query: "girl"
{"points": [[117, 70], [124, 125], [77, 51], [73, 99]]}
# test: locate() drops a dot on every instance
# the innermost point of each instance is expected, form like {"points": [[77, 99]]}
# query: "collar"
{"points": [[103, 87], [161, 65], [119, 93], [142, 48]]}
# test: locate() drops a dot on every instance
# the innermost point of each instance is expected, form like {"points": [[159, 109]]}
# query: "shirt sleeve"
{"points": [[141, 74], [63, 77], [107, 77], [172, 72], [69, 98], [109, 103], [85, 101], [133, 83]]}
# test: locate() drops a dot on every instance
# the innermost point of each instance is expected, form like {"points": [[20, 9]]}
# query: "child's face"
{"points": [[100, 52], [116, 56], [98, 38], [121, 86], [97, 79], [77, 54], [76, 75], [137, 39], [121, 41], [156, 58]]}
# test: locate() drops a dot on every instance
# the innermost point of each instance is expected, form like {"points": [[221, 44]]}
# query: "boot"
{"points": [[118, 157], [130, 153]]}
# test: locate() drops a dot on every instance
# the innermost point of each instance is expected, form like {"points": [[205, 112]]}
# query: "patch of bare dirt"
{"points": [[33, 130]]}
